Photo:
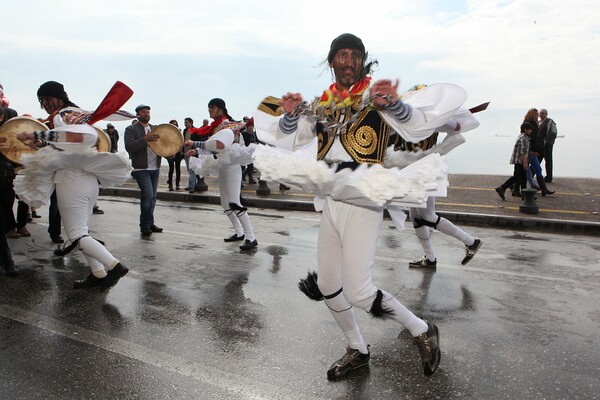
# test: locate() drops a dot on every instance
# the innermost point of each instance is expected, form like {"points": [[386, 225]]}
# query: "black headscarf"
{"points": [[55, 90], [220, 104], [346, 41], [350, 41]]}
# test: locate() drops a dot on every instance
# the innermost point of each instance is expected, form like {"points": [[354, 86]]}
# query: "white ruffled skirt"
{"points": [[368, 186], [207, 165], [35, 182]]}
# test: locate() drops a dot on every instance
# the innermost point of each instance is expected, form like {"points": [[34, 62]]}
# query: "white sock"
{"points": [[449, 228]]}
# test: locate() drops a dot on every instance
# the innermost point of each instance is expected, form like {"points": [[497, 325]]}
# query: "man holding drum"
{"points": [[146, 166]]}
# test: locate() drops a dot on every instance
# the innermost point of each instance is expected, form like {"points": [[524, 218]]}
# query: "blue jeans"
{"points": [[192, 178], [147, 181]]}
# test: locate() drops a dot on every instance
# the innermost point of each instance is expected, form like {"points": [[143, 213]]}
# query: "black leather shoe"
{"points": [[97, 210], [156, 229], [234, 238], [500, 192], [113, 277], [90, 281], [57, 239], [249, 245], [146, 231]]}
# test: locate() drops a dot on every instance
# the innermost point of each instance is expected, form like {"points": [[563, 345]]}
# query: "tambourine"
{"points": [[170, 140], [13, 148], [103, 143]]}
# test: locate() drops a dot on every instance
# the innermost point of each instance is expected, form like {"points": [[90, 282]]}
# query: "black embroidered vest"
{"points": [[425, 144], [365, 139]]}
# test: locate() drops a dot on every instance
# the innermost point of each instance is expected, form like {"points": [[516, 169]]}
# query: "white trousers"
{"points": [[424, 232], [346, 249], [230, 181], [75, 200]]}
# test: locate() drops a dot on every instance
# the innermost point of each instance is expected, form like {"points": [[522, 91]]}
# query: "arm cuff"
{"points": [[288, 124], [401, 110]]}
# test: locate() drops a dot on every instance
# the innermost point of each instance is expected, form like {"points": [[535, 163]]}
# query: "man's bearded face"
{"points": [[143, 115], [347, 66]]}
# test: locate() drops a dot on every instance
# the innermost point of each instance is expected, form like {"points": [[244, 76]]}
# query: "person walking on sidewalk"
{"points": [[520, 159], [146, 166], [548, 133], [536, 151]]}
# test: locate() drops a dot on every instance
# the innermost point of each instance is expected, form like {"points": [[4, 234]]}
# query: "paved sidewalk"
{"points": [[575, 208]]}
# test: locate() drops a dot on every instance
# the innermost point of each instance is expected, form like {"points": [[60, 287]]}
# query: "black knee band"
{"points": [[377, 309], [64, 250], [331, 296], [419, 222], [239, 210]]}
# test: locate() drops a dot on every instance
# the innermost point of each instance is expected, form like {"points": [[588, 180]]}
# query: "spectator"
{"points": [[113, 134], [536, 151], [520, 159], [146, 166], [548, 133], [6, 260], [249, 136], [15, 227], [193, 179], [175, 163]]}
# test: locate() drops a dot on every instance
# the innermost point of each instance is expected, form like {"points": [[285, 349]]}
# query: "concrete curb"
{"points": [[497, 221]]}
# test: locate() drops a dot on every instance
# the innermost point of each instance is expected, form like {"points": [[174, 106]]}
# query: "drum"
{"points": [[170, 142], [13, 148], [103, 143]]}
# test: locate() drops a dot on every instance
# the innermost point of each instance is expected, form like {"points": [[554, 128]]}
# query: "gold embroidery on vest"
{"points": [[364, 142]]}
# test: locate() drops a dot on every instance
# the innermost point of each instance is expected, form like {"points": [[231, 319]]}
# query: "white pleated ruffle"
{"points": [[206, 165], [368, 186], [35, 182]]}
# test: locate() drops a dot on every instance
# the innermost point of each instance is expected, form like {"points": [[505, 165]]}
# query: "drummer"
{"points": [[146, 166], [68, 166]]}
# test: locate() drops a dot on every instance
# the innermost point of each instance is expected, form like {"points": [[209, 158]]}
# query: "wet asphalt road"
{"points": [[195, 319]]}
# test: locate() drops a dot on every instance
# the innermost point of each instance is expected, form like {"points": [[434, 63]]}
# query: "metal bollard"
{"points": [[201, 186], [529, 205], [263, 189]]}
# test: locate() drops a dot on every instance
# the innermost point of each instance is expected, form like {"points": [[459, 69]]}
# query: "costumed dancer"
{"points": [[223, 155], [354, 121], [68, 162], [405, 153]]}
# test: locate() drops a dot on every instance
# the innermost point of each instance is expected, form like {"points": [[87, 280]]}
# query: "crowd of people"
{"points": [[364, 133]]}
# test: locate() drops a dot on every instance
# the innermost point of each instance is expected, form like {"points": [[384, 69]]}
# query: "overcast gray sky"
{"points": [[178, 54]]}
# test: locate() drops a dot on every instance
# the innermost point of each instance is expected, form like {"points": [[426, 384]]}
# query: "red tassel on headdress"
{"points": [[116, 97]]}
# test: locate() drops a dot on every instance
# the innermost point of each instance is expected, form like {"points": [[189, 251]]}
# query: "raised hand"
{"points": [[385, 93], [290, 101]]}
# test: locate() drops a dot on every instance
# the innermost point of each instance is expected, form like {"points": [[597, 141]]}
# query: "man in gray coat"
{"points": [[548, 132], [146, 166]]}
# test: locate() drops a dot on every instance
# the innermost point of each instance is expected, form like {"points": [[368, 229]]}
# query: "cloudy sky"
{"points": [[178, 54]]}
